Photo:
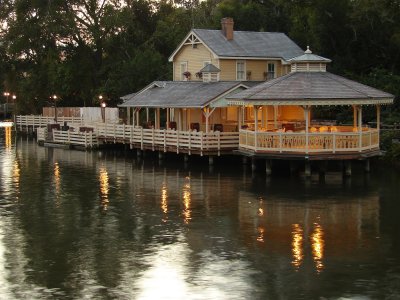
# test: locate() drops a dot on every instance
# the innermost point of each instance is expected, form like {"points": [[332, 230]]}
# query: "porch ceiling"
{"points": [[310, 88]]}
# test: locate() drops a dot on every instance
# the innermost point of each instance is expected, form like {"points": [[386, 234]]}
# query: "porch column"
{"points": [[168, 118], [239, 117], [378, 121], [128, 116], [179, 119], [354, 116], [243, 114], [307, 119], [360, 127], [266, 117], [134, 116], [207, 115], [275, 117], [157, 125], [147, 114], [255, 108], [188, 121], [262, 117]]}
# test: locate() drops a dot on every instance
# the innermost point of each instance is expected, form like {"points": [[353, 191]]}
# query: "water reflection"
{"points": [[297, 245], [317, 245], [187, 212], [164, 199], [104, 188], [239, 239], [57, 182], [7, 137]]}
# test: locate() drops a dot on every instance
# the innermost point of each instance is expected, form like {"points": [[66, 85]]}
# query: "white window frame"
{"points": [[183, 68], [271, 74], [242, 72]]}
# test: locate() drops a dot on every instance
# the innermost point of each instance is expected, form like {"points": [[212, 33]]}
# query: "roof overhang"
{"points": [[286, 102]]}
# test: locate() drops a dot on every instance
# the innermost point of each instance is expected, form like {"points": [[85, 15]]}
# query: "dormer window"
{"points": [[240, 70]]}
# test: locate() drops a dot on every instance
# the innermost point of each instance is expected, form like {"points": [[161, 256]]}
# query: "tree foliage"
{"points": [[79, 49]]}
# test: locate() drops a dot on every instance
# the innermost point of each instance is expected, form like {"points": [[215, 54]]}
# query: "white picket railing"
{"points": [[308, 143], [39, 121], [86, 139], [168, 140]]}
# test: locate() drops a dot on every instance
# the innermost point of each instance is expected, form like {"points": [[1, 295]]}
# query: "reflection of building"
{"points": [[316, 230]]}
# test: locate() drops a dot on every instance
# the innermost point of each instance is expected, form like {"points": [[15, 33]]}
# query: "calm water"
{"points": [[103, 225]]}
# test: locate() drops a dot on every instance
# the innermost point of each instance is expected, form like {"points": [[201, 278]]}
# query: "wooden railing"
{"points": [[307, 143], [39, 121], [167, 140], [85, 139]]}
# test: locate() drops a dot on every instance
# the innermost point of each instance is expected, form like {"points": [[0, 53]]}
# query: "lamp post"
{"points": [[6, 94], [14, 98], [103, 111], [54, 97]]}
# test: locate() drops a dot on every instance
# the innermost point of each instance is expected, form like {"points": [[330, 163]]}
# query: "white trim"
{"points": [[171, 58], [312, 102]]}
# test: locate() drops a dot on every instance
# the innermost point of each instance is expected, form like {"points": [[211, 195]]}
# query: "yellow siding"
{"points": [[195, 58], [255, 67]]}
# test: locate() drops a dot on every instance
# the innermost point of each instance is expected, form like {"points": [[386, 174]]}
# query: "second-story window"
{"points": [[270, 71], [183, 69], [240, 70]]}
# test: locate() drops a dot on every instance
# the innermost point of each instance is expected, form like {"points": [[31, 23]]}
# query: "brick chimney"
{"points": [[227, 28]]}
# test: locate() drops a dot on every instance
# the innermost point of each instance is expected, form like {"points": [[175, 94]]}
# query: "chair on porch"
{"points": [[195, 126], [218, 127], [172, 125]]}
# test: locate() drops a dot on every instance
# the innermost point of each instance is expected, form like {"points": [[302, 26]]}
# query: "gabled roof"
{"points": [[210, 68], [181, 94], [314, 88], [246, 44]]}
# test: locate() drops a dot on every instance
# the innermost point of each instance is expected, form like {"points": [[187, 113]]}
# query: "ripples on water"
{"points": [[95, 225]]}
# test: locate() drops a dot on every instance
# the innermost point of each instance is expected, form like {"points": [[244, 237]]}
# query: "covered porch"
{"points": [[290, 130]]}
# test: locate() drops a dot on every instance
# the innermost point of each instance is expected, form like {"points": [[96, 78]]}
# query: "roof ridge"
{"points": [[245, 31], [342, 83], [277, 80]]}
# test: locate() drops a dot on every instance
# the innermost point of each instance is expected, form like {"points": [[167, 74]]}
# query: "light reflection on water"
{"points": [[170, 233]]}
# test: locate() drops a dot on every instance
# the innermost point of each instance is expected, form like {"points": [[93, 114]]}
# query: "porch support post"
{"points": [[188, 120], [253, 164], [134, 116], [179, 119], [255, 108], [262, 117], [239, 117], [147, 114], [128, 115], [243, 114], [359, 127], [354, 116], [266, 117], [207, 115], [157, 118], [367, 166], [275, 116], [168, 118], [307, 119], [378, 121]]}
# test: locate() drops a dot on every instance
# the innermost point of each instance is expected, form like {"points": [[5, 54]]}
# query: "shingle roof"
{"points": [[179, 94], [210, 68], [308, 56], [250, 44], [311, 86]]}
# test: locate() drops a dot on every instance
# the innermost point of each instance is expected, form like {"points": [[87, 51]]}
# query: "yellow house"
{"points": [[240, 55]]}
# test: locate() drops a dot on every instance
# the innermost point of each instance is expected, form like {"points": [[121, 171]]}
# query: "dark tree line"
{"points": [[79, 49]]}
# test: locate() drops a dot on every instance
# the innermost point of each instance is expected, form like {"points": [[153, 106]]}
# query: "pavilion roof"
{"points": [[310, 88], [181, 94]]}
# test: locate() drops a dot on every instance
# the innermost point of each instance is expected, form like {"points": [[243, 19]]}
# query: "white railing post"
{"points": [[190, 142], [141, 139], [280, 142], [201, 142], [219, 141], [177, 141]]}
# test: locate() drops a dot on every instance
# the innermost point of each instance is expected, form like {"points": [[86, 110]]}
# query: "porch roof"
{"points": [[310, 88], [181, 94]]}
